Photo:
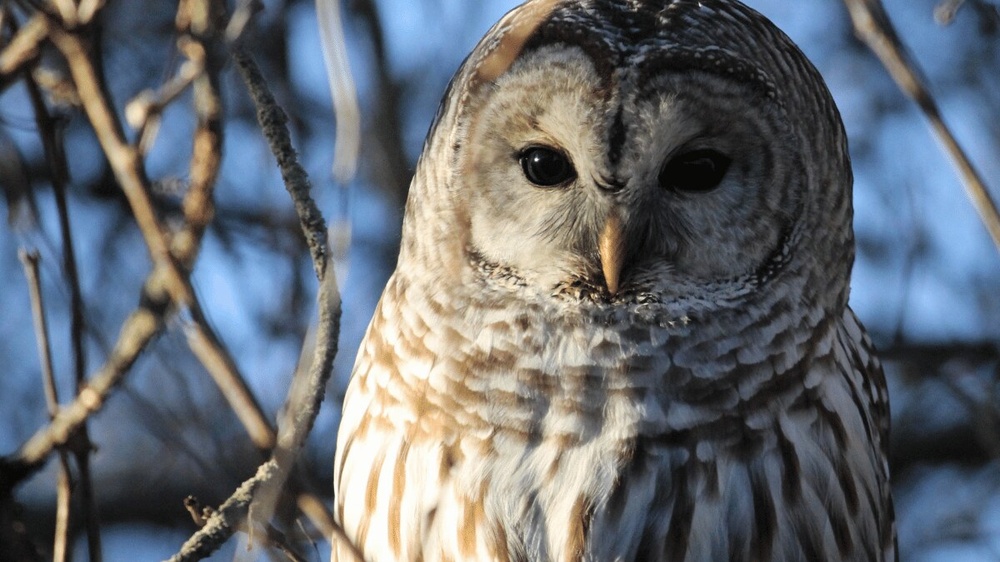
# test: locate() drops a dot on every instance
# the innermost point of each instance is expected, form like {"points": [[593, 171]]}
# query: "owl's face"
{"points": [[682, 171], [627, 144]]}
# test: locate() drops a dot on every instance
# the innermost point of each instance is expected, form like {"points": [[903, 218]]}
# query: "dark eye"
{"points": [[546, 167], [697, 171]]}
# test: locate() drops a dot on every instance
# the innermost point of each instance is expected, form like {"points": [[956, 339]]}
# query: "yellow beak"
{"points": [[611, 247]]}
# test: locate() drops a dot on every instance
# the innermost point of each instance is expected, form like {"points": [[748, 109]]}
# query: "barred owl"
{"points": [[618, 327]]}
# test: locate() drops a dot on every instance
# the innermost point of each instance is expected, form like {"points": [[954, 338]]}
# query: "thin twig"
{"points": [[129, 170], [29, 260], [195, 18], [946, 11], [342, 91], [55, 156], [872, 24], [271, 476], [169, 274], [274, 124], [244, 12], [64, 488], [144, 111], [206, 156], [67, 11], [88, 9], [125, 161], [306, 395], [138, 330], [64, 509], [202, 515], [225, 521]]}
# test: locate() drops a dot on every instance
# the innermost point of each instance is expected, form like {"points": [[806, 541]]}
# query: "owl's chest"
{"points": [[491, 452], [512, 449]]}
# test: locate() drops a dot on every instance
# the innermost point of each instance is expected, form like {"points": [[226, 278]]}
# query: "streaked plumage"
{"points": [[647, 356]]}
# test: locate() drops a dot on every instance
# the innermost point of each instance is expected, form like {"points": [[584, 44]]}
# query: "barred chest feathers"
{"points": [[551, 443]]}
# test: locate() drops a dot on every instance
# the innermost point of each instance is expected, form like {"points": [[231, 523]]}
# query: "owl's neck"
{"points": [[674, 363]]}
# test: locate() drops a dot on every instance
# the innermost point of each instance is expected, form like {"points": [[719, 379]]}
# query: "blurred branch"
{"points": [[23, 48], [144, 111], [946, 11], [30, 262], [304, 399], [265, 488], [137, 331], [125, 161], [88, 9], [168, 285], [64, 489], [55, 157], [244, 12], [873, 26], [394, 173], [969, 435], [342, 90], [983, 413], [168, 276], [989, 14], [171, 276], [66, 11], [306, 394], [206, 154], [925, 359]]}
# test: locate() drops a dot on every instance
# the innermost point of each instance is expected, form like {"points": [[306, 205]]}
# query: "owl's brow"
{"points": [[712, 60]]}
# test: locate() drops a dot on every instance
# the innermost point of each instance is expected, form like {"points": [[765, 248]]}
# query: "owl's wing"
{"points": [[869, 378], [377, 494], [392, 480], [818, 491]]}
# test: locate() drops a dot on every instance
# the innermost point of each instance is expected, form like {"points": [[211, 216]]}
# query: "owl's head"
{"points": [[636, 147]]}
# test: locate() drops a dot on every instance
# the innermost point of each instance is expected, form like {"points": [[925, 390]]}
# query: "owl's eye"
{"points": [[546, 167], [697, 171]]}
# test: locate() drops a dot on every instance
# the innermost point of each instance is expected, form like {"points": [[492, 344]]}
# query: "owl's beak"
{"points": [[611, 247]]}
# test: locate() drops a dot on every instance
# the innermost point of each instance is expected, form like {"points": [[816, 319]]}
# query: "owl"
{"points": [[618, 327]]}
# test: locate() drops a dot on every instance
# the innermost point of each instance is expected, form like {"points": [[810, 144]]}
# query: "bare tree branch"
{"points": [[342, 90], [229, 518], [55, 156], [873, 26], [143, 113], [173, 256], [64, 489], [946, 11], [196, 20], [23, 48], [128, 167], [927, 358], [274, 124], [136, 333], [266, 486], [387, 120], [306, 395]]}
